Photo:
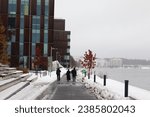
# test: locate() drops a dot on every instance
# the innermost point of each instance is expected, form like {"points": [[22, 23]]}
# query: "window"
{"points": [[68, 50], [66, 57], [36, 22], [13, 38], [38, 7], [33, 49], [25, 61], [35, 36], [68, 36], [21, 35], [45, 37], [68, 43], [21, 49], [25, 7], [45, 49], [46, 7], [11, 22], [22, 22], [45, 22], [12, 6]]}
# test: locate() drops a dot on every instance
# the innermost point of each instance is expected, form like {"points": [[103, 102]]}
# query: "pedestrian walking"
{"points": [[58, 71], [68, 75], [74, 74]]}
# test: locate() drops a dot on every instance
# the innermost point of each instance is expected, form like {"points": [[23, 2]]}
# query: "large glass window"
{"points": [[68, 36], [45, 36], [13, 38], [45, 49], [45, 22], [25, 61], [46, 7], [21, 35], [12, 7], [38, 7], [68, 50], [36, 22], [21, 49], [25, 7], [11, 21], [33, 49], [22, 22], [68, 43], [35, 36]]}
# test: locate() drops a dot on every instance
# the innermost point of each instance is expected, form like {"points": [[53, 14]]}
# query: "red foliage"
{"points": [[37, 60], [89, 60], [38, 51]]}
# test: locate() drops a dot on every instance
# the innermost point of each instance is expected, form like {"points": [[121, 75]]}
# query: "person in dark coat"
{"points": [[68, 75], [74, 74], [58, 74]]}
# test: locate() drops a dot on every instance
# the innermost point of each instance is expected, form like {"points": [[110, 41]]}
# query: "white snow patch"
{"points": [[9, 91], [37, 87], [113, 89]]}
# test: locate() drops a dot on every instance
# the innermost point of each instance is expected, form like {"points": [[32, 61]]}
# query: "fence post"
{"points": [[94, 77], [104, 80], [126, 88]]}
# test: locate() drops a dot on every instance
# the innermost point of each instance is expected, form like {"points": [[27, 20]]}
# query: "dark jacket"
{"points": [[74, 72], [68, 75], [58, 72]]}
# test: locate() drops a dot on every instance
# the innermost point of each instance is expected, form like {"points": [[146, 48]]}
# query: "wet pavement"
{"points": [[71, 91]]}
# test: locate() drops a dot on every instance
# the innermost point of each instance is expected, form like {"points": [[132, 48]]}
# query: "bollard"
{"points": [[94, 78], [104, 80], [88, 75], [126, 88]]}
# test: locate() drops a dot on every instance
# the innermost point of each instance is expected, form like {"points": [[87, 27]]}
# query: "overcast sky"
{"points": [[110, 28]]}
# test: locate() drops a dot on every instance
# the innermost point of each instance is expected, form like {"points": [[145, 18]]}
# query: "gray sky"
{"points": [[110, 28]]}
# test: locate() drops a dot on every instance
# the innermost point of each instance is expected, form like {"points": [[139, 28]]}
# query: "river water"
{"points": [[137, 77]]}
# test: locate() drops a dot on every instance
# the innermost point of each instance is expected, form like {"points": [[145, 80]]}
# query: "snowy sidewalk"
{"points": [[71, 91], [37, 89]]}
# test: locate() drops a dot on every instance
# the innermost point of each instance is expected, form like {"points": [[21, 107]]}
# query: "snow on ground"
{"points": [[37, 87], [100, 91], [2, 82], [113, 89], [134, 92], [5, 93]]}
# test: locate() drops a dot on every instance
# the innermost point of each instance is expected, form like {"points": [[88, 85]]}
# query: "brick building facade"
{"points": [[30, 27]]}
